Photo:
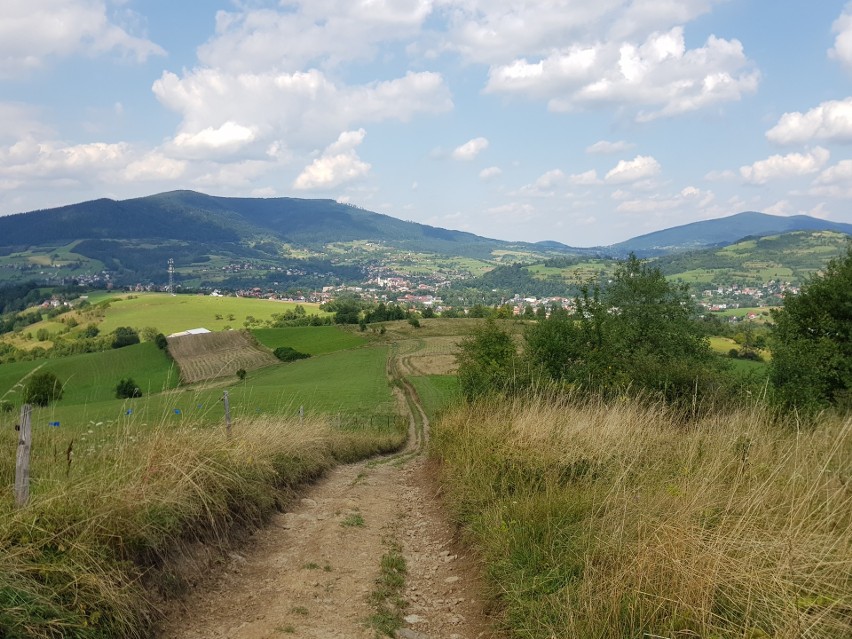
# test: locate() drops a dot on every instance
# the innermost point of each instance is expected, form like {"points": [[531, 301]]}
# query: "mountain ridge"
{"points": [[723, 231], [311, 241]]}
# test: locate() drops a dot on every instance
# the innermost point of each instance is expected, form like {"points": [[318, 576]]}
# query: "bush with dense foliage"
{"points": [[812, 341], [637, 335], [127, 389], [124, 336], [42, 388], [289, 354], [488, 362]]}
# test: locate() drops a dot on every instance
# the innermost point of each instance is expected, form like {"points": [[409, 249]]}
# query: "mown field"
{"points": [[314, 340], [171, 314], [437, 393], [209, 356], [166, 313]]}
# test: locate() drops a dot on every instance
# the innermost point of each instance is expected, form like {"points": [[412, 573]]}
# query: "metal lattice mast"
{"points": [[171, 276]]}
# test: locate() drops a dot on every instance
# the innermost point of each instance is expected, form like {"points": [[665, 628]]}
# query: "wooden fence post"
{"points": [[227, 414], [22, 462]]}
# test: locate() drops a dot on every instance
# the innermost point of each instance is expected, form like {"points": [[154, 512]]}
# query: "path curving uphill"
{"points": [[313, 571]]}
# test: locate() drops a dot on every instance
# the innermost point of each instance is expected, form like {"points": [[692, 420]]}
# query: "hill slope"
{"points": [[296, 244], [722, 231], [198, 218]]}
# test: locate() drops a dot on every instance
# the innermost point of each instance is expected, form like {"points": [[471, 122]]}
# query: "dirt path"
{"points": [[312, 571]]}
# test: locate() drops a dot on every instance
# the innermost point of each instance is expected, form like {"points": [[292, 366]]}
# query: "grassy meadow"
{"points": [[314, 340], [437, 393], [619, 520], [171, 314]]}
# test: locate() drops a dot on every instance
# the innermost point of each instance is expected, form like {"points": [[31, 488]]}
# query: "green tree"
{"points": [[347, 313], [487, 362], [241, 374], [638, 334], [124, 336], [127, 388], [811, 364], [650, 331], [42, 388], [90, 331]]}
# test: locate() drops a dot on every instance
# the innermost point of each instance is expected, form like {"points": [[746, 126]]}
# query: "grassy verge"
{"points": [[93, 553], [613, 521], [352, 382]]}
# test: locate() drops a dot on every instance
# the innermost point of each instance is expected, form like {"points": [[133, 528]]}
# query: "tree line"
{"points": [[640, 336]]}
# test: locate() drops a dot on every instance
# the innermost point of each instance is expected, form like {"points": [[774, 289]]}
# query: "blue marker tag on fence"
{"points": [[54, 424], [129, 411], [177, 411]]}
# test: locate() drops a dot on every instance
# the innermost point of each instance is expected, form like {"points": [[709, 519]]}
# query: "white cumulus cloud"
{"points": [[587, 178], [689, 198], [470, 149], [834, 182], [297, 109], [154, 166], [830, 121], [32, 31], [639, 168], [338, 164], [543, 186], [310, 33], [659, 77], [842, 49], [839, 173], [228, 138], [785, 166], [490, 173], [605, 147]]}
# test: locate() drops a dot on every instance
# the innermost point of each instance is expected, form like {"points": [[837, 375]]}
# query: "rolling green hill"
{"points": [[302, 244], [722, 231], [788, 257]]}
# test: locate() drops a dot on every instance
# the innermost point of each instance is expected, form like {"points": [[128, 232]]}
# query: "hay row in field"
{"points": [[212, 355]]}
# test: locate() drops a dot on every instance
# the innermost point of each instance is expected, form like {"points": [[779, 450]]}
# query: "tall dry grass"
{"points": [[613, 520], [96, 553]]}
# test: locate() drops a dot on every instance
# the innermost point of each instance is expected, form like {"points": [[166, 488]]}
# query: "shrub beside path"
{"points": [[312, 572]]}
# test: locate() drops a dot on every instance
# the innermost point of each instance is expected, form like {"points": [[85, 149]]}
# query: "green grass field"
{"points": [[179, 313], [314, 340], [348, 382], [437, 392], [92, 377]]}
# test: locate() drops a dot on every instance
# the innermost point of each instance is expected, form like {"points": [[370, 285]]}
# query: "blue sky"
{"points": [[569, 120]]}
